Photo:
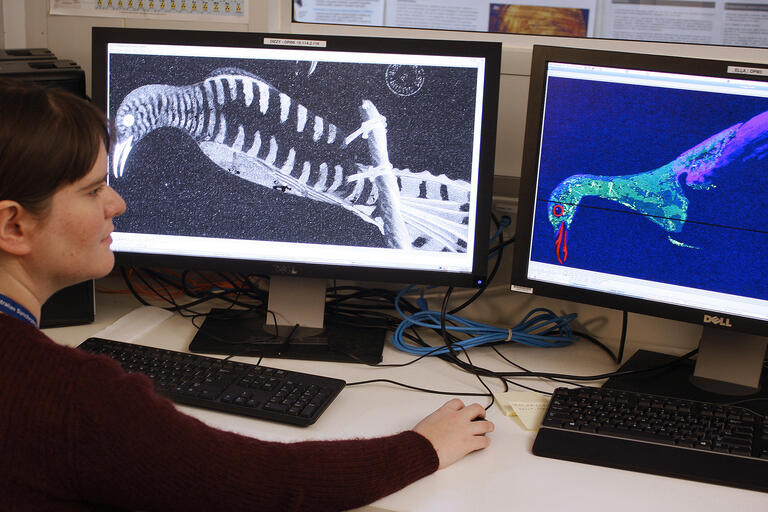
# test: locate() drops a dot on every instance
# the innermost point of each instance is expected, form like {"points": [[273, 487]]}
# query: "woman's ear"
{"points": [[15, 225]]}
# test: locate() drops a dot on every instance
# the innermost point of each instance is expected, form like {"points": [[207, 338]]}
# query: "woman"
{"points": [[76, 432]]}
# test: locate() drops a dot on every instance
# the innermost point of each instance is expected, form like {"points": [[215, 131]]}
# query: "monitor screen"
{"points": [[302, 152], [642, 186], [326, 157]]}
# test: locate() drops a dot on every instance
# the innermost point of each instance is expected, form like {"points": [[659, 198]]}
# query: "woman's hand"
{"points": [[455, 430]]}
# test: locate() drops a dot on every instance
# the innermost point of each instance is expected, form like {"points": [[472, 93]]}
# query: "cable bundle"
{"points": [[540, 328]]}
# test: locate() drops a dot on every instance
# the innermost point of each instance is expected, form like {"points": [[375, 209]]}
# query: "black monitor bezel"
{"points": [[541, 57], [491, 52]]}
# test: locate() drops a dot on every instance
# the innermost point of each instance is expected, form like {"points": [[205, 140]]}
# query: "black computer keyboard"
{"points": [[680, 438], [228, 386]]}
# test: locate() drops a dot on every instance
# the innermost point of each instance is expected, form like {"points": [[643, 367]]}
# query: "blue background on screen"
{"points": [[618, 129]]}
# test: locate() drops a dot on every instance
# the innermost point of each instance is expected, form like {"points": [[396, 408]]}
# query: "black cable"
{"points": [[620, 373], [124, 274], [562, 381], [199, 298], [391, 365], [416, 388], [490, 393], [502, 245], [623, 339], [597, 342], [497, 264]]}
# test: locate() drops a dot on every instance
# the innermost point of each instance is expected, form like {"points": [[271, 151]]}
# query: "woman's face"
{"points": [[72, 240]]}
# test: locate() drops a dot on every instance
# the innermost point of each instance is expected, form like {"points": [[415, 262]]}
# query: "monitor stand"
{"points": [[728, 368], [729, 363], [295, 327]]}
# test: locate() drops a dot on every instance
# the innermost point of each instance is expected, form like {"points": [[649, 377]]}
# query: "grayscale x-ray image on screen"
{"points": [[316, 152]]}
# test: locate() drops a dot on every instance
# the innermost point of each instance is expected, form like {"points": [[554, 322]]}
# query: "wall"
{"points": [[69, 37]]}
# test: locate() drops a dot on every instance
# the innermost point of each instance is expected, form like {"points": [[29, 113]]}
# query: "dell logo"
{"points": [[725, 322]]}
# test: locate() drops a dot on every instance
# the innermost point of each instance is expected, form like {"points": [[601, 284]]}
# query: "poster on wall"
{"points": [[549, 17], [224, 11]]}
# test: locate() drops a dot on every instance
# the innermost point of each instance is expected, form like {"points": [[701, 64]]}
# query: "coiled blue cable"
{"points": [[540, 328]]}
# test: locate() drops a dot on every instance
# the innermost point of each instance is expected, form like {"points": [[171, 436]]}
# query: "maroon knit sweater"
{"points": [[77, 433]]}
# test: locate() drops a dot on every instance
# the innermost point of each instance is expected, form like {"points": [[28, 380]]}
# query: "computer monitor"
{"points": [[301, 158], [643, 186]]}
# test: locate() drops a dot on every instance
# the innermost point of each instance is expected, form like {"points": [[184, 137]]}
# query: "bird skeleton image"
{"points": [[659, 194], [252, 130]]}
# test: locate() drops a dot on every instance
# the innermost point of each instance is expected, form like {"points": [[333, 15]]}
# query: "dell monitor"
{"points": [[301, 158], [643, 188]]}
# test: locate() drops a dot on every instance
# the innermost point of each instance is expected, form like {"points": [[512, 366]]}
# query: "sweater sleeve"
{"points": [[132, 448]]}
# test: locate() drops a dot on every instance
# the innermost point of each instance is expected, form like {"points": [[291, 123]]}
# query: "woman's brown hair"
{"points": [[49, 138]]}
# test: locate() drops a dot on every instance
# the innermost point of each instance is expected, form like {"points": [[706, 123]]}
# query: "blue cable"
{"points": [[540, 328]]}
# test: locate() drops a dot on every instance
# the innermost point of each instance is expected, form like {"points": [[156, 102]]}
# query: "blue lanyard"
{"points": [[16, 310]]}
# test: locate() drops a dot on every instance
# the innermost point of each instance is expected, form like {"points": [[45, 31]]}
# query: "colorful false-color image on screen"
{"points": [[654, 183]]}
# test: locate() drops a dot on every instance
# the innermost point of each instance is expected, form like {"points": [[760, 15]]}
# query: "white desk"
{"points": [[506, 476]]}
